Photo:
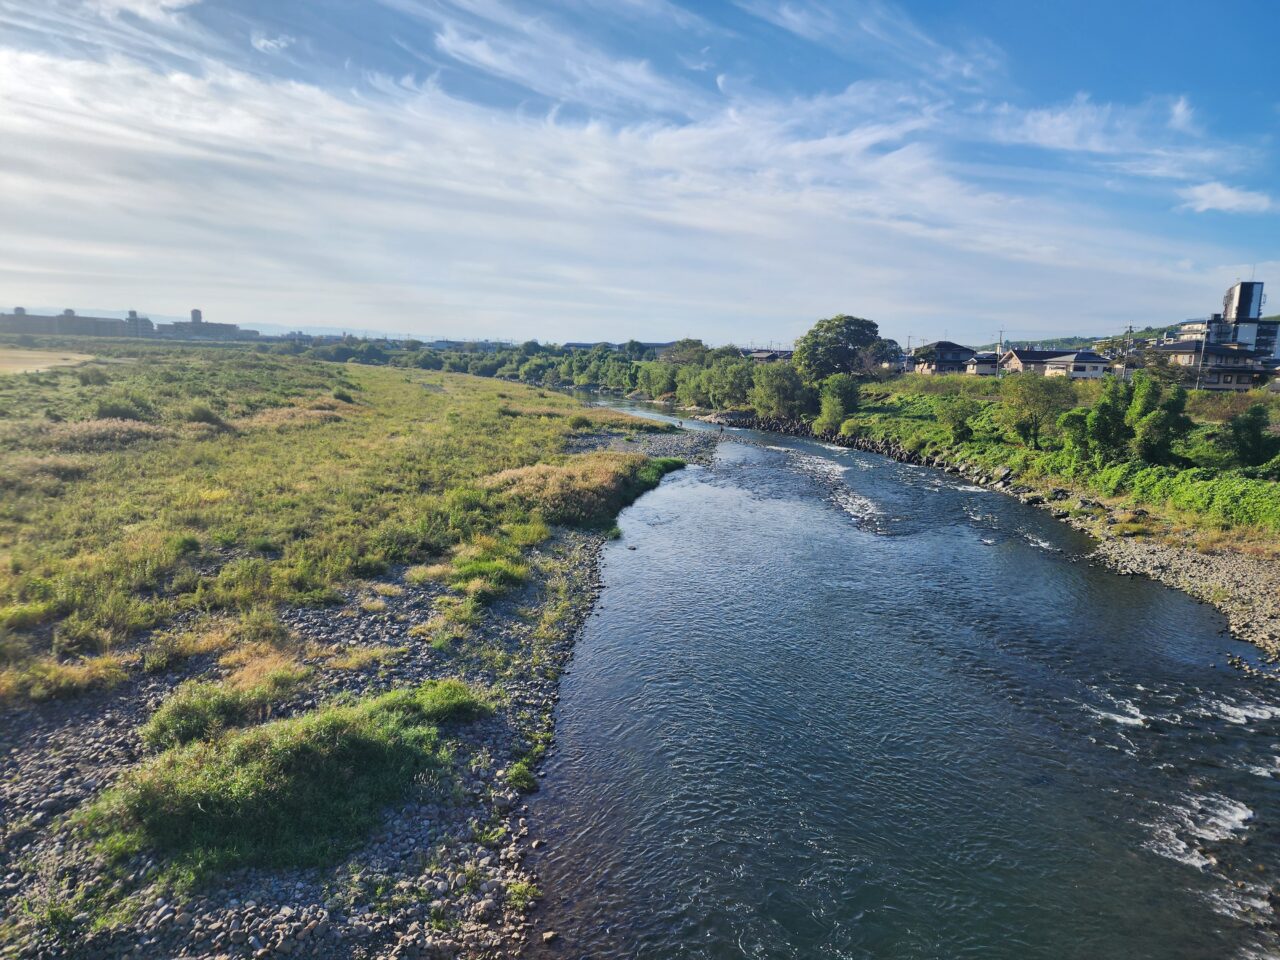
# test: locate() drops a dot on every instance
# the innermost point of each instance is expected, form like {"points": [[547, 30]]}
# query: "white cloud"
{"points": [[280, 202], [661, 207], [1219, 196], [146, 9], [1182, 116], [266, 44]]}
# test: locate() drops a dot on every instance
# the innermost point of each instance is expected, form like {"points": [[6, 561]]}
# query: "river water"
{"points": [[835, 706]]}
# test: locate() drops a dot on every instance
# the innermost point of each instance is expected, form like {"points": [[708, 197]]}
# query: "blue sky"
{"points": [[601, 169]]}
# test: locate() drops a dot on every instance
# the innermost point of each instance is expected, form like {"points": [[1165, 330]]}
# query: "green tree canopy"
{"points": [[1030, 402], [834, 345], [777, 391], [839, 398]]}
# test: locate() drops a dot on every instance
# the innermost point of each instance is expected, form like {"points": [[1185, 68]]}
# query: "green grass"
{"points": [[252, 480], [290, 792], [199, 710], [520, 776], [521, 894]]}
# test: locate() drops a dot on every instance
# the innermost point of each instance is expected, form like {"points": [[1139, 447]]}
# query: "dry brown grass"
{"points": [[171, 647], [98, 435], [362, 658], [259, 665], [428, 573], [45, 677], [44, 474], [580, 490], [288, 418]]}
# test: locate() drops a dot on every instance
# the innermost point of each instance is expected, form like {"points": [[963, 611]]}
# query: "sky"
{"points": [[606, 169]]}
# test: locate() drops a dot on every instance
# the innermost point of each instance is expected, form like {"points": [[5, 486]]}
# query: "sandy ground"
{"points": [[15, 360]]}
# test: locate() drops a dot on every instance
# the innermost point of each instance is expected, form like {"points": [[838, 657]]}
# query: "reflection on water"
{"points": [[835, 706]]}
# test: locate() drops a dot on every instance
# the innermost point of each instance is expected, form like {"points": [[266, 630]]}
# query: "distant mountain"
{"points": [[1067, 344]]}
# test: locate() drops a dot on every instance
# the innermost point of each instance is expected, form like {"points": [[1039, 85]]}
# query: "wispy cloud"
{"points": [[1218, 196], [145, 9], [1182, 116], [540, 183], [875, 30], [268, 44]]}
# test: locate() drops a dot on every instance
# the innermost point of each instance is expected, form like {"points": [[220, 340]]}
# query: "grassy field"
{"points": [[232, 481], [19, 360]]}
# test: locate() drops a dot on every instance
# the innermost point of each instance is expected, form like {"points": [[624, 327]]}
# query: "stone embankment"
{"points": [[1246, 589]]}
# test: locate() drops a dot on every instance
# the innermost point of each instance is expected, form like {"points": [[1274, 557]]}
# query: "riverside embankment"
{"points": [[895, 715], [1245, 588]]}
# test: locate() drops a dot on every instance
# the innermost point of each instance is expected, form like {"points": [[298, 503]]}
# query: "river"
{"points": [[831, 705]]}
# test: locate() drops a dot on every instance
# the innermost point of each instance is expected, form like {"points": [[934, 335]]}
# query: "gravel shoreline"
{"points": [[435, 879], [1245, 589]]}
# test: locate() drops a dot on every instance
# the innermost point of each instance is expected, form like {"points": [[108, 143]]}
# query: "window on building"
{"points": [[1078, 368], [1226, 378]]}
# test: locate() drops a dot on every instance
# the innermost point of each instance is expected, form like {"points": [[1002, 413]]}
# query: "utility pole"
{"points": [[1204, 348]]}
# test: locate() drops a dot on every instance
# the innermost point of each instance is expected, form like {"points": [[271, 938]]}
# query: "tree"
{"points": [[654, 378], [954, 413], [1108, 429], [685, 351], [728, 382], [1247, 436], [839, 398], [691, 387], [881, 352], [1030, 402], [834, 345], [777, 391]]}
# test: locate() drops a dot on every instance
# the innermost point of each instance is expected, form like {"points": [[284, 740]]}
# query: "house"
{"points": [[941, 357], [1220, 368], [1081, 365], [1019, 360], [769, 356], [985, 364]]}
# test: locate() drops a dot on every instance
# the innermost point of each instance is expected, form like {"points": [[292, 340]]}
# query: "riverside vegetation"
{"points": [[250, 603], [1197, 460]]}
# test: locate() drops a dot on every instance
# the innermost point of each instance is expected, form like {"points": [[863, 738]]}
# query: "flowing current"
{"points": [[835, 706]]}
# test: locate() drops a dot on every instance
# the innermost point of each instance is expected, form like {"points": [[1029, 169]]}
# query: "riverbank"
{"points": [[438, 877], [348, 591], [1246, 589]]}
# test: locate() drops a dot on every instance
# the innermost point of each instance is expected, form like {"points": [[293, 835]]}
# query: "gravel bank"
{"points": [[438, 878]]}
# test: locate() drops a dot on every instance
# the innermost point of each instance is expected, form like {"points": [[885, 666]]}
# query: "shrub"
{"points": [[200, 413], [343, 395], [120, 408]]}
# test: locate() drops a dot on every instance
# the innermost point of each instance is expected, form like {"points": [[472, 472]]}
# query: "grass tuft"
{"points": [[289, 792]]}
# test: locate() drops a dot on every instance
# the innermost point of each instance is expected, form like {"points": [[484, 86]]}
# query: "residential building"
{"points": [[69, 324], [1081, 365], [1240, 324], [985, 364], [1020, 360], [1216, 366], [941, 357], [769, 356]]}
